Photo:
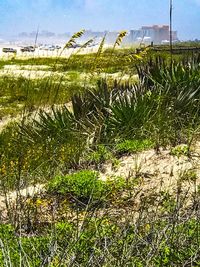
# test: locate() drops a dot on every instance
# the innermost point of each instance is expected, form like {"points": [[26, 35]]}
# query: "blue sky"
{"points": [[72, 15]]}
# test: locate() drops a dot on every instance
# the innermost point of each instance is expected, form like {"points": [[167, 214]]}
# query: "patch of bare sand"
{"points": [[28, 71], [160, 171], [10, 200], [6, 120]]}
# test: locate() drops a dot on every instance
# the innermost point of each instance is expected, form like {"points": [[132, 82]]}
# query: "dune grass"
{"points": [[70, 128]]}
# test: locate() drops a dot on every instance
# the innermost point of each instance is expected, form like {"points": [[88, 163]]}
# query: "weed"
{"points": [[133, 146], [180, 150], [83, 186], [189, 176], [99, 155]]}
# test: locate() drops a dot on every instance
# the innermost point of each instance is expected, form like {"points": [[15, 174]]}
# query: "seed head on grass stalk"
{"points": [[119, 39], [99, 52], [72, 40], [85, 45], [118, 42], [69, 44]]}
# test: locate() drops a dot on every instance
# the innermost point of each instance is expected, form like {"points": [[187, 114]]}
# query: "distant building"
{"points": [[158, 34], [155, 33], [134, 35]]}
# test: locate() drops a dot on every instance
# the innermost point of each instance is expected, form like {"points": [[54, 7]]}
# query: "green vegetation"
{"points": [[24, 93], [132, 146], [180, 150], [165, 241], [82, 186], [86, 188], [99, 155], [72, 128]]}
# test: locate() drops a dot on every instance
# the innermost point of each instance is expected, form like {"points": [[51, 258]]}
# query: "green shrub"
{"points": [[22, 251], [132, 146], [180, 150], [99, 155], [83, 186], [105, 241], [188, 176]]}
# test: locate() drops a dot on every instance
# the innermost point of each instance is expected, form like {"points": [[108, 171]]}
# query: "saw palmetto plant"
{"points": [[79, 132]]}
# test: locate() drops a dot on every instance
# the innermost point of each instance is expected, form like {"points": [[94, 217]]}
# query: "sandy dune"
{"points": [[158, 172]]}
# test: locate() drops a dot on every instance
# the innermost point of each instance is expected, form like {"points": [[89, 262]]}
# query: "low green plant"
{"points": [[83, 186], [86, 187], [188, 176], [133, 146], [19, 250], [105, 241], [99, 155], [180, 150]]}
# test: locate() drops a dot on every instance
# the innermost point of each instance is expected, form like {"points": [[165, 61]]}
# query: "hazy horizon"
{"points": [[98, 15]]}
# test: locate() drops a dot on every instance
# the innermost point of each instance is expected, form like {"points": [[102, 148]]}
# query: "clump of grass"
{"points": [[189, 176], [133, 146], [85, 187], [180, 150], [98, 155], [99, 237]]}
